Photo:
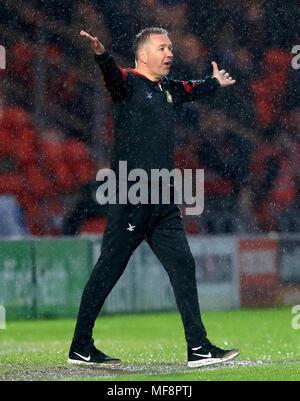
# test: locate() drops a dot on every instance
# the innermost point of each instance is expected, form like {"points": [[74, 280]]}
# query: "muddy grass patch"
{"points": [[15, 372]]}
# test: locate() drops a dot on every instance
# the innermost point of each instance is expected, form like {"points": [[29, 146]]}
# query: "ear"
{"points": [[143, 56]]}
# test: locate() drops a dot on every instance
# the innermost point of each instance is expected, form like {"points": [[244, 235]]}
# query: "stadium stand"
{"points": [[55, 125]]}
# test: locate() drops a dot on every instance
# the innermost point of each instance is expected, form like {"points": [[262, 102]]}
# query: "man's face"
{"points": [[157, 55]]}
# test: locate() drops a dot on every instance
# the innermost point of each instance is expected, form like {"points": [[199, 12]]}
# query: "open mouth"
{"points": [[168, 63]]}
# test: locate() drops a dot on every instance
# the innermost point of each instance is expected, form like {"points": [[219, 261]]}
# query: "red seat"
{"points": [[23, 58], [77, 156], [93, 226], [25, 147], [37, 183], [15, 119], [6, 143], [11, 183]]}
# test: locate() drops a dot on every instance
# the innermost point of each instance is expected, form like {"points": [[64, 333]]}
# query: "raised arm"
{"points": [[114, 77], [186, 91], [96, 45]]}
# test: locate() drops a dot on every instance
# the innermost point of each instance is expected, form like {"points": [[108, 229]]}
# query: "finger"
{"points": [[222, 72], [226, 75], [87, 35], [215, 66]]}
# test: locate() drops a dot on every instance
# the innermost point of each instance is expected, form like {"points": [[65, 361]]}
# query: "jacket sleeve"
{"points": [[114, 76], [187, 91]]}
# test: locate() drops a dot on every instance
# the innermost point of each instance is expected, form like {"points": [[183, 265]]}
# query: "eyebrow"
{"points": [[165, 44]]}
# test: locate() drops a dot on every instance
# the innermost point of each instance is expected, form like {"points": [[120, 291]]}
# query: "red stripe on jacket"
{"points": [[189, 87]]}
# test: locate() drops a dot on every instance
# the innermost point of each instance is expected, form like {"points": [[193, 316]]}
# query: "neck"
{"points": [[144, 71]]}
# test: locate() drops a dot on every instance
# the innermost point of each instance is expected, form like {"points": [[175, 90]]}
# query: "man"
{"points": [[143, 109]]}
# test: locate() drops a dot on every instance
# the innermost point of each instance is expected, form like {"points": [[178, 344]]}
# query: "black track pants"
{"points": [[127, 226]]}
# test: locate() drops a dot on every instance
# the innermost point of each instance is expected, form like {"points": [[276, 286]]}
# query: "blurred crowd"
{"points": [[56, 127]]}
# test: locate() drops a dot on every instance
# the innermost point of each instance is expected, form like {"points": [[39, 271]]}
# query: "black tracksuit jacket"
{"points": [[144, 114]]}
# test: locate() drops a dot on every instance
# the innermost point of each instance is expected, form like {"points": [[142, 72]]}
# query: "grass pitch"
{"points": [[152, 348]]}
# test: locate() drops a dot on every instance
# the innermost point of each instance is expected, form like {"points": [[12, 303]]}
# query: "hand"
{"points": [[222, 76], [95, 44]]}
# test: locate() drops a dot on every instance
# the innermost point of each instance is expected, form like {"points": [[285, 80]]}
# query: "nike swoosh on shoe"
{"points": [[85, 358], [203, 355]]}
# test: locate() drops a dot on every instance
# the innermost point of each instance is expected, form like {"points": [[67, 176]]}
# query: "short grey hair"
{"points": [[144, 35]]}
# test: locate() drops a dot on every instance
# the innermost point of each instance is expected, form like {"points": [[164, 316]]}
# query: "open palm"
{"points": [[222, 76]]}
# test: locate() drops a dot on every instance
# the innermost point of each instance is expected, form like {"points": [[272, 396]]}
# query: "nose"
{"points": [[169, 53]]}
